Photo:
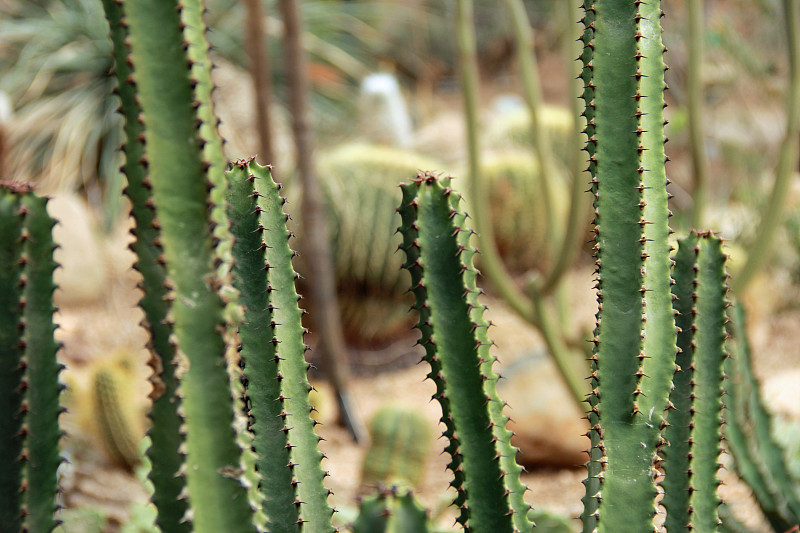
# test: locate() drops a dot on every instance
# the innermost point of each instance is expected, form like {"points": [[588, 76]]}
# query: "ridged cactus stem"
{"points": [[691, 460], [194, 32], [180, 191], [760, 460], [635, 336], [439, 258], [11, 357], [258, 350], [596, 453], [42, 386], [773, 212], [315, 512], [166, 460]]}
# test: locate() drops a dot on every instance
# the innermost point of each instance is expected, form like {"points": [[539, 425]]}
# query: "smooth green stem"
{"points": [[532, 87], [491, 264], [577, 216], [773, 212], [562, 357], [694, 82]]}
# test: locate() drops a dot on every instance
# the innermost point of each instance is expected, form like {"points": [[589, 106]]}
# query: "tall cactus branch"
{"points": [[180, 187]]}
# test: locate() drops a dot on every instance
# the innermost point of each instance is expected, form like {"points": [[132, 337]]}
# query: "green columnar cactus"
{"points": [[174, 151], [42, 386], [12, 353], [633, 360], [391, 511], [29, 405], [400, 442], [759, 459], [288, 459], [439, 258], [691, 460], [166, 474]]}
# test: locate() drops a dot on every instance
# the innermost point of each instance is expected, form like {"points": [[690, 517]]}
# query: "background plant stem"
{"points": [[316, 244], [262, 80], [787, 158], [694, 80]]}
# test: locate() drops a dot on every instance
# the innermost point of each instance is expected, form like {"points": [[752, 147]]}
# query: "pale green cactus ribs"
{"points": [[759, 459], [634, 340], [439, 258], [166, 475], [29, 385], [691, 460], [272, 350]]}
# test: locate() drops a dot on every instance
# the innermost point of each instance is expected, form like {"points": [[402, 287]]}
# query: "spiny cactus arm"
{"points": [[165, 434], [773, 211], [659, 345], [258, 350], [676, 455], [161, 71], [737, 426], [596, 453], [41, 369], [194, 32], [708, 381], [756, 423], [629, 435], [315, 512], [443, 279], [391, 511], [11, 357]]}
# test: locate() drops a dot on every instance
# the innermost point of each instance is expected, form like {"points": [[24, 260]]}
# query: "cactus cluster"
{"points": [[232, 442]]}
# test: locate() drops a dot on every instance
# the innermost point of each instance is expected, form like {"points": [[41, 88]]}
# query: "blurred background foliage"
{"points": [[63, 132]]}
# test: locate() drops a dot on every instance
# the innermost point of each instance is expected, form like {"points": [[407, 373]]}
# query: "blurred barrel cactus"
{"points": [[517, 210], [360, 188]]}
